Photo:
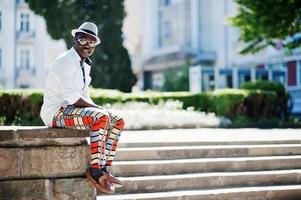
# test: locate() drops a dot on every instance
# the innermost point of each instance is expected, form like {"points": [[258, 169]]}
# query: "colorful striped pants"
{"points": [[105, 129]]}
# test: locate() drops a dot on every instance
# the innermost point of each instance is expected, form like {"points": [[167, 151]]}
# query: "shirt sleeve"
{"points": [[64, 74], [87, 97]]}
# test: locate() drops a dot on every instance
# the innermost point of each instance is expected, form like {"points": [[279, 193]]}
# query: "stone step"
{"points": [[209, 151], [200, 143], [180, 166], [208, 180], [47, 189], [285, 192]]}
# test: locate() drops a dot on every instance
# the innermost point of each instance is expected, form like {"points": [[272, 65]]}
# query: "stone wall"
{"points": [[38, 163]]}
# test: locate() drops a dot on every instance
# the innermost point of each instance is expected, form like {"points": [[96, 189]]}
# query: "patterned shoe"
{"points": [[103, 184], [117, 183]]}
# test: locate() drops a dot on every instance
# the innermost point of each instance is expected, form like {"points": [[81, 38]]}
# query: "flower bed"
{"points": [[141, 115]]}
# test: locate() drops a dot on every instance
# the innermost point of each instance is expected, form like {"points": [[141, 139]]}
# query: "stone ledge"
{"points": [[41, 136], [44, 163]]}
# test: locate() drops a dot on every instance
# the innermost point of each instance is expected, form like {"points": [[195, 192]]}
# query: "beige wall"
{"points": [[174, 25], [133, 25], [42, 48]]}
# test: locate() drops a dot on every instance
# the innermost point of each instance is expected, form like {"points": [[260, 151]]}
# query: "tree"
{"points": [[274, 23], [177, 79], [111, 63]]}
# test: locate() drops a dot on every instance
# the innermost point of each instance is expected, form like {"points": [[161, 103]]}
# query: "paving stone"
{"points": [[24, 190], [76, 188], [9, 162], [51, 162]]}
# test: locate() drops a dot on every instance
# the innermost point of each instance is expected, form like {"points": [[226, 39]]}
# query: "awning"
{"points": [[176, 59]]}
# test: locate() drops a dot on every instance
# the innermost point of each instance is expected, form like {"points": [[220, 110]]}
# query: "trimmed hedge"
{"points": [[233, 103], [282, 100], [22, 107]]}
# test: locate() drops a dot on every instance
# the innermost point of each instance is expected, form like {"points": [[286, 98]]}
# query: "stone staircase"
{"points": [[258, 170]]}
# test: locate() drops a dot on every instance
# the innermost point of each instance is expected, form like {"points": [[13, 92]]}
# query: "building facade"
{"points": [[133, 36], [179, 31], [26, 49]]}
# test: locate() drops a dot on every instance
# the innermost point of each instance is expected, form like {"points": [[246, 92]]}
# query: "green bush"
{"points": [[22, 107], [261, 104], [233, 103], [176, 79], [282, 99], [228, 102]]}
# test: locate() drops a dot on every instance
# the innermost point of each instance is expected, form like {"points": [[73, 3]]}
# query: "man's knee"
{"points": [[120, 124], [101, 122]]}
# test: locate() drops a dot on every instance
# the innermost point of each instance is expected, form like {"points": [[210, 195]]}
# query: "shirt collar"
{"points": [[75, 54]]}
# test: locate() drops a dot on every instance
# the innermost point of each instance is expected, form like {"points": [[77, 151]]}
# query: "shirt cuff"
{"points": [[73, 98]]}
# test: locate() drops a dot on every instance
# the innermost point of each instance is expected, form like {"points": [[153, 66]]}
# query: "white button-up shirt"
{"points": [[65, 84]]}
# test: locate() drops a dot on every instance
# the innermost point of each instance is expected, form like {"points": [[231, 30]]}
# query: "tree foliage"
{"points": [[268, 23], [176, 79], [111, 63]]}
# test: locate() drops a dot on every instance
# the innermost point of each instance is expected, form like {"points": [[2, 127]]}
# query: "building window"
{"points": [[20, 1], [244, 76], [299, 73], [24, 22], [0, 58], [0, 20], [167, 30], [157, 81], [25, 59], [278, 72], [279, 76], [165, 2], [262, 75], [291, 73], [160, 28], [24, 86]]}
